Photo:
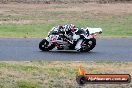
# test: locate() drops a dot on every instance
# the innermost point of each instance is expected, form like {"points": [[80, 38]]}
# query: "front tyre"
{"points": [[44, 45]]}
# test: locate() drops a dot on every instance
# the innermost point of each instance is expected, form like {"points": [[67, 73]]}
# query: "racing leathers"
{"points": [[68, 32]]}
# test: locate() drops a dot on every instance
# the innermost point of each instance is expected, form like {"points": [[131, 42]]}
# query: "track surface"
{"points": [[119, 49]]}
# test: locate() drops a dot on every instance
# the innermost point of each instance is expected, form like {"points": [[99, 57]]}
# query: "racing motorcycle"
{"points": [[82, 40]]}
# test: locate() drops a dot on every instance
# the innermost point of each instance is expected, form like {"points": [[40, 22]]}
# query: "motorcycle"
{"points": [[82, 40]]}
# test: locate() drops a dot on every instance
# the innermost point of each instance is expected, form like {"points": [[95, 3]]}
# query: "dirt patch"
{"points": [[111, 9], [98, 9], [16, 22], [28, 13]]}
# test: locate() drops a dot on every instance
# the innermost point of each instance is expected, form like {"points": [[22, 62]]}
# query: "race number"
{"points": [[53, 37]]}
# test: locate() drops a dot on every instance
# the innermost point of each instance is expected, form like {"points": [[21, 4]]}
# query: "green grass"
{"points": [[26, 84], [56, 74], [31, 30]]}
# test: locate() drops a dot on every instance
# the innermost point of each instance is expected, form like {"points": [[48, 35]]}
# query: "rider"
{"points": [[68, 31]]}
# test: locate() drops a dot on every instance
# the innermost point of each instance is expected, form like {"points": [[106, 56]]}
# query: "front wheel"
{"points": [[44, 45]]}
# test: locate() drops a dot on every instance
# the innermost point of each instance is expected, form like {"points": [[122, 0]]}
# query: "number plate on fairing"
{"points": [[53, 37]]}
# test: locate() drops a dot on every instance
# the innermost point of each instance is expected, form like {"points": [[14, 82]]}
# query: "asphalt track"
{"points": [[117, 49]]}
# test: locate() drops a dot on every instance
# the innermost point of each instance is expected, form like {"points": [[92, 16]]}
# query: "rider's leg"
{"points": [[78, 45]]}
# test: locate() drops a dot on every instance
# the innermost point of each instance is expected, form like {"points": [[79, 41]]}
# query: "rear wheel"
{"points": [[91, 43], [44, 45]]}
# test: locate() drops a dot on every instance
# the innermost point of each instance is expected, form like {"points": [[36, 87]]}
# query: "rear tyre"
{"points": [[43, 45], [91, 43]]}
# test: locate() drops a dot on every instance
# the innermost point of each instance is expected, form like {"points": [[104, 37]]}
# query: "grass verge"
{"points": [[57, 74], [34, 20]]}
